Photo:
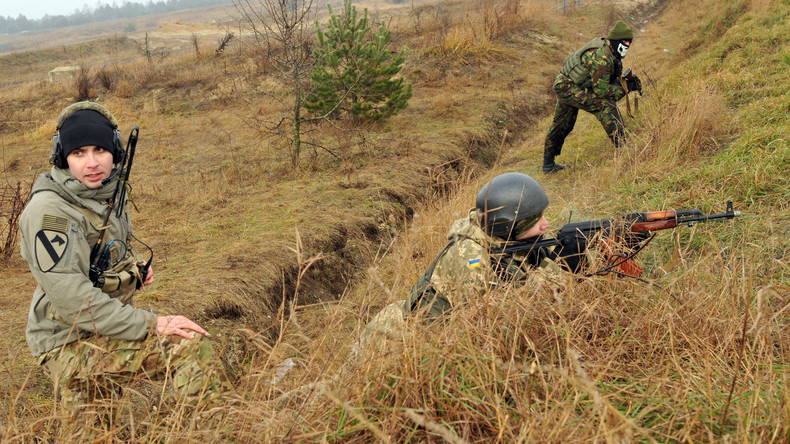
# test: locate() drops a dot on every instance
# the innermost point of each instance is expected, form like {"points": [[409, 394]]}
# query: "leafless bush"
{"points": [[443, 20], [147, 48], [196, 45], [82, 82], [106, 78], [12, 201], [498, 18], [223, 43]]}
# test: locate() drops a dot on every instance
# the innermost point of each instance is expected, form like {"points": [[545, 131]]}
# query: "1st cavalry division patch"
{"points": [[51, 241]]}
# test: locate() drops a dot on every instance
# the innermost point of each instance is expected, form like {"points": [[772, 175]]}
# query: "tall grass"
{"points": [[557, 359]]}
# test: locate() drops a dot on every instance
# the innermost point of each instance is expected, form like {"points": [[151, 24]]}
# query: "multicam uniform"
{"points": [[91, 339], [597, 94], [463, 271]]}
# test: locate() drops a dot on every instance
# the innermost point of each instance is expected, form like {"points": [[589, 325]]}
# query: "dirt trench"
{"points": [[329, 277]]}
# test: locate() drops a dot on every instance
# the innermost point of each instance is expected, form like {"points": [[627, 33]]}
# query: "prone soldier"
{"points": [[508, 209]]}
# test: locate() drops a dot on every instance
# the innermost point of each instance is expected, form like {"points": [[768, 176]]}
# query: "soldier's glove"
{"points": [[634, 84]]}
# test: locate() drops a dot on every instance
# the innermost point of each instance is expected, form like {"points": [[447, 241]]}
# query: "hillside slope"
{"points": [[605, 359]]}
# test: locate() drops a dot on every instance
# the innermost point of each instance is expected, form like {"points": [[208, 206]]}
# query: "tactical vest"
{"points": [[121, 279], [422, 294], [575, 69]]}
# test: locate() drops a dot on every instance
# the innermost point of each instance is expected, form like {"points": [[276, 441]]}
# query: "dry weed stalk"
{"points": [[82, 83], [12, 201], [687, 126]]}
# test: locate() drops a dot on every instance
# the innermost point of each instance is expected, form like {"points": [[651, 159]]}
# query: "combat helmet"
{"points": [[510, 204]]}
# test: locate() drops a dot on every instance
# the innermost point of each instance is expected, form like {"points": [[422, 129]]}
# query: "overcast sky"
{"points": [[35, 9]]}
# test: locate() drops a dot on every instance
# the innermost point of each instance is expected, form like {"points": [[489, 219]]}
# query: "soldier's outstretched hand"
{"points": [[178, 325]]}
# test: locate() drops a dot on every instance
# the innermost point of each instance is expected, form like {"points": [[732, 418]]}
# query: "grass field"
{"points": [[235, 232]]}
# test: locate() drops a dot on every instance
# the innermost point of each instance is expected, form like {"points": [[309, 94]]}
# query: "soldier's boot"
{"points": [[549, 166]]}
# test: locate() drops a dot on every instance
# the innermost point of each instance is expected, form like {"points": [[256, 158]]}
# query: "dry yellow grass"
{"points": [[604, 359]]}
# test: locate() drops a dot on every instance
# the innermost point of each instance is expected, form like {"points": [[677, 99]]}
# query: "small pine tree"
{"points": [[354, 71]]}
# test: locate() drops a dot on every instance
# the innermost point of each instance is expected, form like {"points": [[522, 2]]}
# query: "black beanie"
{"points": [[87, 127]]}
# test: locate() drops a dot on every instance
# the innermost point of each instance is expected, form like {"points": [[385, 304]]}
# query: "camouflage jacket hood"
{"points": [[469, 227]]}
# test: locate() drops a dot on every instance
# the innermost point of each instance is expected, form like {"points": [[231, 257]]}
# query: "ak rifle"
{"points": [[627, 76], [630, 229]]}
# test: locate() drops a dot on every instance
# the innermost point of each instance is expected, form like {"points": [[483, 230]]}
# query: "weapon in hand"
{"points": [[630, 229], [630, 82]]}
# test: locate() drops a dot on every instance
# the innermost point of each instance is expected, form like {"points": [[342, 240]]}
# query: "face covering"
{"points": [[622, 48]]}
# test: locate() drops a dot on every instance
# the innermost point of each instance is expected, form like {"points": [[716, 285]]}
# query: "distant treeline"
{"points": [[11, 25]]}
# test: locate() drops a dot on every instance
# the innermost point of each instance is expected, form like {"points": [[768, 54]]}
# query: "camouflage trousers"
{"points": [[95, 368], [378, 335], [569, 102]]}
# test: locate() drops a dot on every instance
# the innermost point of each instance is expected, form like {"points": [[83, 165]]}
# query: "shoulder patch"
{"points": [[54, 223], [51, 241], [474, 263]]}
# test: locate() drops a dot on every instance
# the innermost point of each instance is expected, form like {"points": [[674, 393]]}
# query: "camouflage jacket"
{"points": [[605, 71], [56, 240], [467, 268], [464, 270]]}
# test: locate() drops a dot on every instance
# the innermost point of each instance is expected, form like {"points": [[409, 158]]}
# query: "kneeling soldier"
{"points": [[85, 332]]}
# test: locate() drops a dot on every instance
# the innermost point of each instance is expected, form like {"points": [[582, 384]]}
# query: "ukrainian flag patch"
{"points": [[474, 263]]}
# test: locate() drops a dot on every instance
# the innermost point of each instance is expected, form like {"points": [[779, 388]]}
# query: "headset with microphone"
{"points": [[57, 158]]}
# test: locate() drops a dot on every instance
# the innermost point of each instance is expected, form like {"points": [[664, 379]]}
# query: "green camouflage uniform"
{"points": [[598, 95], [464, 272], [92, 339]]}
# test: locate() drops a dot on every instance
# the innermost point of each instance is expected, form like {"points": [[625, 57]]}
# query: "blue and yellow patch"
{"points": [[474, 263]]}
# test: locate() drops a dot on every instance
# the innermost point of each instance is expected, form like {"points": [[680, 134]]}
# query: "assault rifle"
{"points": [[627, 76], [630, 230], [100, 253]]}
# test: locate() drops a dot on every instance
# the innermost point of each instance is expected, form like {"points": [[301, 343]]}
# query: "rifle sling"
{"points": [[93, 218], [417, 294]]}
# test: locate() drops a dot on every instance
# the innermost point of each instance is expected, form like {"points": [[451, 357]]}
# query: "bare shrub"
{"points": [[285, 32], [416, 13], [443, 21], [196, 44], [499, 19], [12, 201], [223, 43], [107, 78], [147, 48], [82, 83]]}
